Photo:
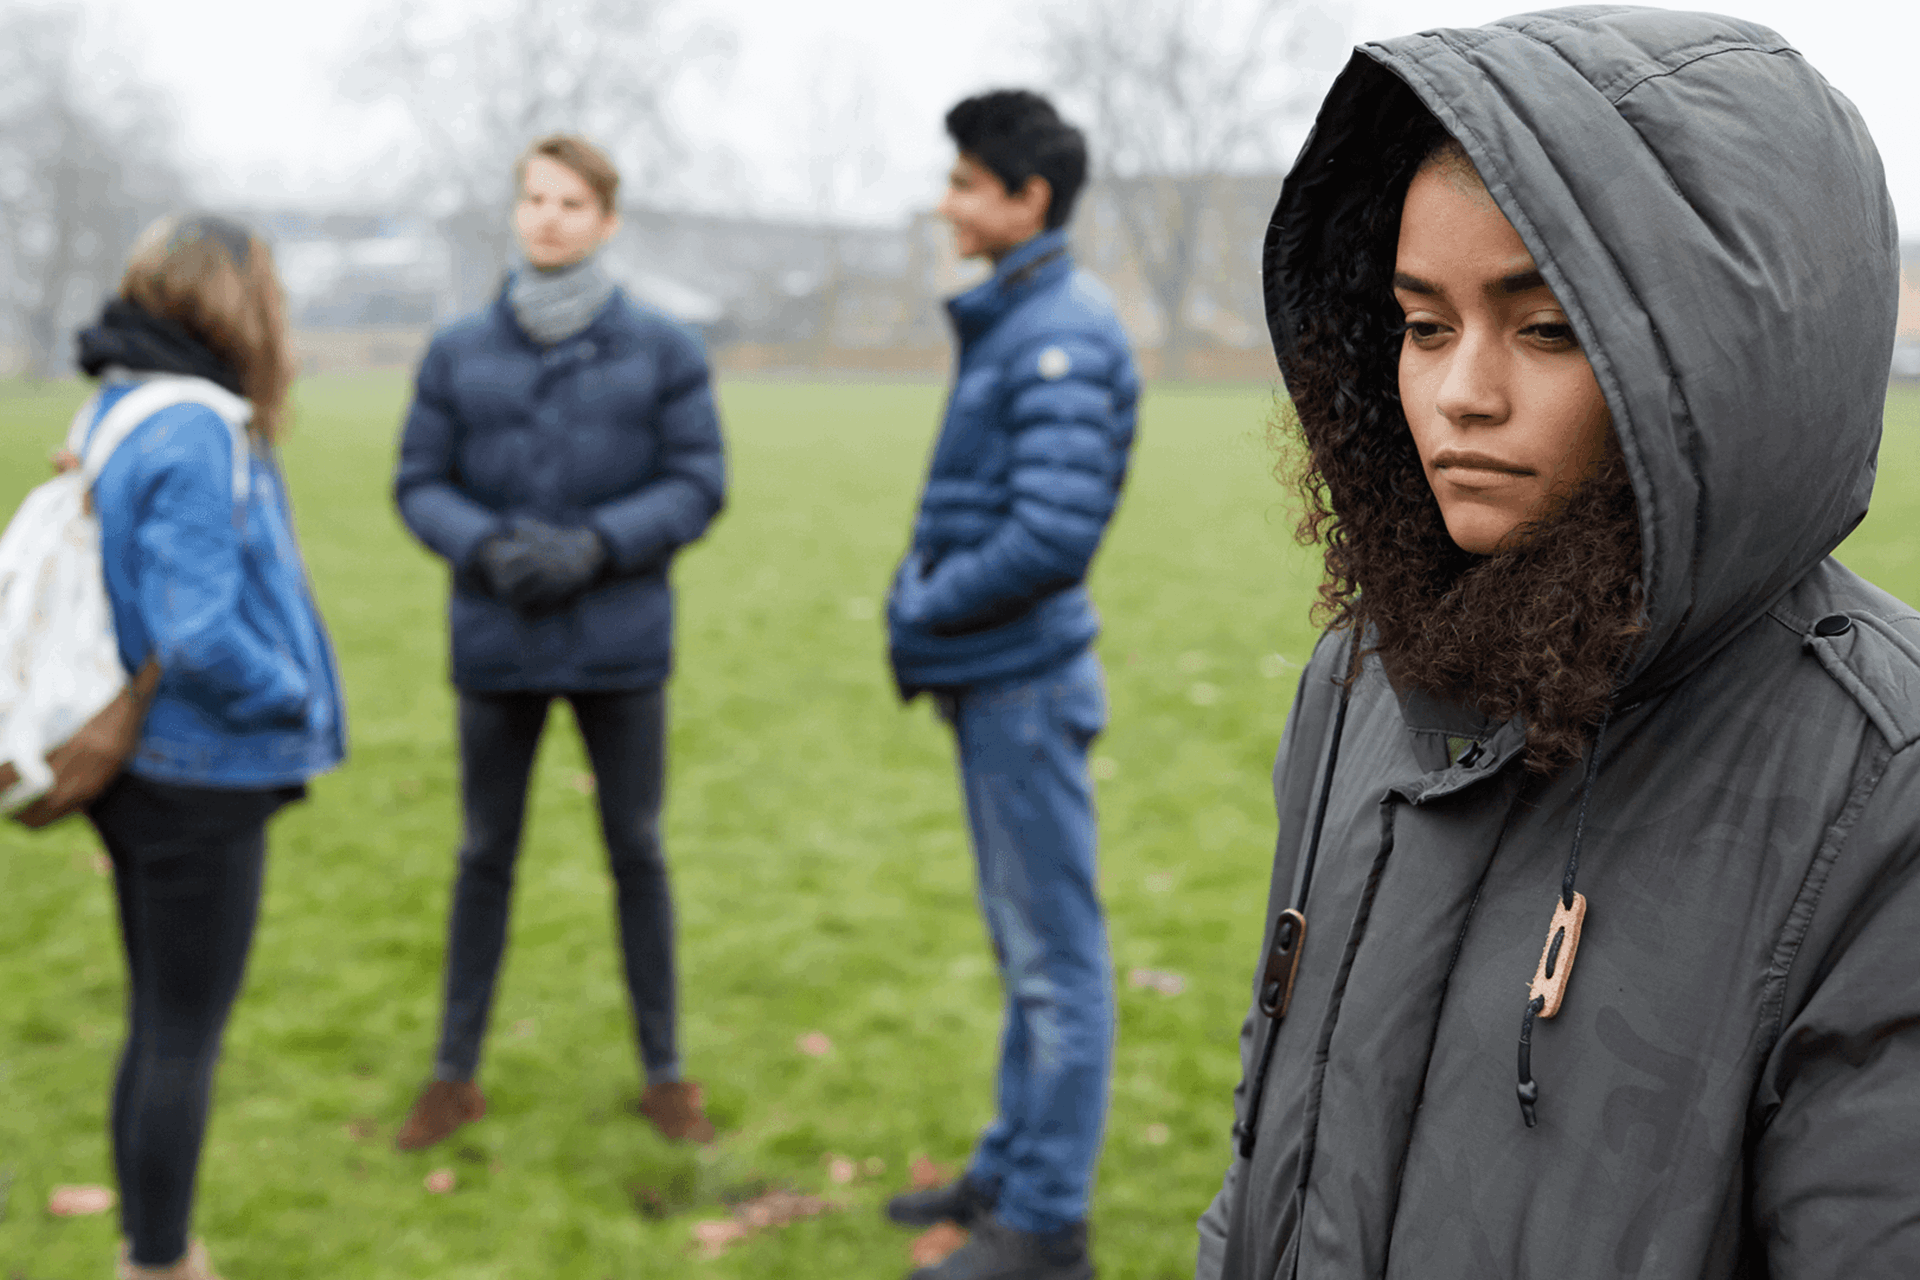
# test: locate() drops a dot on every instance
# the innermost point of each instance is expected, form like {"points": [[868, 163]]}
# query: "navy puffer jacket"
{"points": [[613, 429], [1025, 476]]}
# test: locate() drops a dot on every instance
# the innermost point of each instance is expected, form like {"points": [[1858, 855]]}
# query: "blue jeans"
{"points": [[1023, 763], [625, 735]]}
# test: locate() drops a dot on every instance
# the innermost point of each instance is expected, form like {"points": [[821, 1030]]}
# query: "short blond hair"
{"points": [[590, 162], [215, 279]]}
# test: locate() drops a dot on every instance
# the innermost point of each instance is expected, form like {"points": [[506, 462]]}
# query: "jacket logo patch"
{"points": [[1054, 364]]}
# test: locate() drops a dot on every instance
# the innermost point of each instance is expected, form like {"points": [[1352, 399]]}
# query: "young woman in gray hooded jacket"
{"points": [[1591, 942]]}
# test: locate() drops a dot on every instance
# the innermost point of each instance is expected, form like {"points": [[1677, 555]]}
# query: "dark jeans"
{"points": [[625, 737], [186, 867]]}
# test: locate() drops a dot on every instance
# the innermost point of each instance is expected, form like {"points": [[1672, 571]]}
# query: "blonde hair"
{"points": [[593, 165], [216, 280]]}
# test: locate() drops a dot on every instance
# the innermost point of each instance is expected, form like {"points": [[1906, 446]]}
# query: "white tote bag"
{"points": [[59, 660]]}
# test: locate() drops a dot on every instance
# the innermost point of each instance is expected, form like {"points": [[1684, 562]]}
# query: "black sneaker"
{"points": [[962, 1201], [995, 1251]]}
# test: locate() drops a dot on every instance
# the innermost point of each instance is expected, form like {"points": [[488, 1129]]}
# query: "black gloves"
{"points": [[535, 565]]}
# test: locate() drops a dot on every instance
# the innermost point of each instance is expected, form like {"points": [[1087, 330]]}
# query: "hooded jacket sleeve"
{"points": [[1836, 1180], [642, 529], [431, 503], [188, 575], [1064, 401], [1303, 744], [1210, 1262]]}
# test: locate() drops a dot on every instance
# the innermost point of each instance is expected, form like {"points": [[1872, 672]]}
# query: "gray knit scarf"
{"points": [[552, 306]]}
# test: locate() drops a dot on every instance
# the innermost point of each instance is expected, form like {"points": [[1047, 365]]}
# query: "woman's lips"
{"points": [[1476, 470]]}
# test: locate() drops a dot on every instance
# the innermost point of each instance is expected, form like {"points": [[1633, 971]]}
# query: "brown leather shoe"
{"points": [[442, 1107], [674, 1108]]}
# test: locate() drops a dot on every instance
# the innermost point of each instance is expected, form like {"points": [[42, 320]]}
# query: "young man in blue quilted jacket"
{"points": [[989, 614]]}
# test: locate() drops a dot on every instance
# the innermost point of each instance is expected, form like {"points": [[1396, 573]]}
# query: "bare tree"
{"points": [[480, 84], [1176, 95], [87, 157], [845, 154]]}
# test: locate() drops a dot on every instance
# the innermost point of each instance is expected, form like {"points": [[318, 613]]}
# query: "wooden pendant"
{"points": [[1556, 958]]}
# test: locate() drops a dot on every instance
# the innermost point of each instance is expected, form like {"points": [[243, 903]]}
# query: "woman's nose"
{"points": [[1474, 389]]}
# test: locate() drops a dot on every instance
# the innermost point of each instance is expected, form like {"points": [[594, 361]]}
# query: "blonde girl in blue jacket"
{"points": [[233, 702]]}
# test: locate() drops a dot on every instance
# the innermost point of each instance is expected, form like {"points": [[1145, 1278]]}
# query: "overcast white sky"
{"points": [[256, 83]]}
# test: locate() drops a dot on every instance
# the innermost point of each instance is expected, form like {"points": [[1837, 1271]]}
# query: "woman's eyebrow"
{"points": [[1519, 282]]}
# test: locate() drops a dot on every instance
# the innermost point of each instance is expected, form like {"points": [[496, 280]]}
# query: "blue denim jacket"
{"points": [[1024, 478], [248, 694]]}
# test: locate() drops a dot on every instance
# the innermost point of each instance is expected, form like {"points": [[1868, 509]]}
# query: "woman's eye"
{"points": [[1421, 330], [1554, 334]]}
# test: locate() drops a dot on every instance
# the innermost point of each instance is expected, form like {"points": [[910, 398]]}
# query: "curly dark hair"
{"points": [[1541, 630]]}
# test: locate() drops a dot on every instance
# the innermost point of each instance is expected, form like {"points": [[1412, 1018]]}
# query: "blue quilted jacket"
{"points": [[1025, 476], [248, 694], [613, 428]]}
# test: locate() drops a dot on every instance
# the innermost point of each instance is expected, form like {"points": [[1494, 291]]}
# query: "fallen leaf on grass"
{"points": [[778, 1207], [841, 1170], [766, 1211], [932, 1246], [714, 1235], [1167, 984], [79, 1201], [924, 1173], [361, 1129], [1158, 1134], [440, 1181], [814, 1044]]}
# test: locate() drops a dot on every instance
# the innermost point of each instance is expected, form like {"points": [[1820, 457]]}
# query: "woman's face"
{"points": [[559, 219], [1503, 406]]}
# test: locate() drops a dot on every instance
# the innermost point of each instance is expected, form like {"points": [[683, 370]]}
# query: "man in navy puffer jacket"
{"points": [[989, 613], [562, 446]]}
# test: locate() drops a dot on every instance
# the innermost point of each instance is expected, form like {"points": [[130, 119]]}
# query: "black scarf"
{"points": [[136, 339]]}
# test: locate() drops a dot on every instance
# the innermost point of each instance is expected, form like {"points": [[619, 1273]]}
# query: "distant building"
{"points": [[365, 289], [1906, 340]]}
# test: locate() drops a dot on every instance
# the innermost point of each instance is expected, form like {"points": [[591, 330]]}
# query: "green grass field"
{"points": [[822, 876]]}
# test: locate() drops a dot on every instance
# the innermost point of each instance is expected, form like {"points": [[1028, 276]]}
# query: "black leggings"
{"points": [[186, 867]]}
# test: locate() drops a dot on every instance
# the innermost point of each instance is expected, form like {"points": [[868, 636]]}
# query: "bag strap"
{"points": [[148, 397]]}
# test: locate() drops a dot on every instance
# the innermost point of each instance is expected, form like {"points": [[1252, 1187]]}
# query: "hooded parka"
{"points": [[1732, 1085]]}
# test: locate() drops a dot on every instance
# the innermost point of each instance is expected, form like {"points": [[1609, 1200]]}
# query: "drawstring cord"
{"points": [[1290, 926], [1529, 1088], [1549, 986]]}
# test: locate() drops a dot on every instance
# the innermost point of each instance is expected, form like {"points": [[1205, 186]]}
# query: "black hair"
{"points": [[1017, 135]]}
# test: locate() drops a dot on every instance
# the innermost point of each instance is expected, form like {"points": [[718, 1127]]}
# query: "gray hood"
{"points": [[1696, 195]]}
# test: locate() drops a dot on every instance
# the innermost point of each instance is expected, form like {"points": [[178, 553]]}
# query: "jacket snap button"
{"points": [[1834, 624]]}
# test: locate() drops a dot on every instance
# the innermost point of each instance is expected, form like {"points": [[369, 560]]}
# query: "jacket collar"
{"points": [[1034, 265]]}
